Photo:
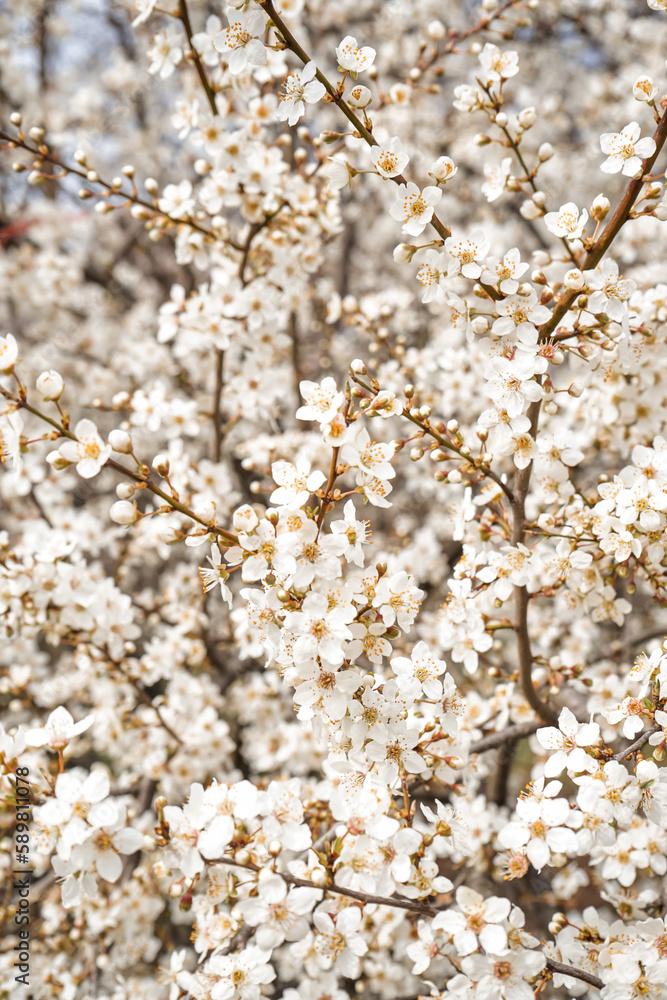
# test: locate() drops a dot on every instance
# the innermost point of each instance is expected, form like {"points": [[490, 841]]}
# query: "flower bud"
{"points": [[16, 118], [600, 207], [205, 510], [479, 325], [151, 185], [245, 519], [501, 119], [574, 279], [435, 31], [161, 465], [57, 462], [359, 97], [318, 876], [50, 385], [529, 210], [125, 491], [545, 152], [120, 441], [36, 133], [644, 89], [456, 763], [527, 118], [404, 253], [123, 512]]}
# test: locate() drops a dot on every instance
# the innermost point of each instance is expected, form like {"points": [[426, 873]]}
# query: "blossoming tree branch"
{"points": [[334, 500]]}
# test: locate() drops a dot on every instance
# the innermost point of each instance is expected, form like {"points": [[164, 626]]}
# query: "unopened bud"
{"points": [[600, 208], [123, 512], [527, 118], [574, 279], [404, 253], [161, 465], [205, 510], [50, 385], [436, 31], [120, 441]]}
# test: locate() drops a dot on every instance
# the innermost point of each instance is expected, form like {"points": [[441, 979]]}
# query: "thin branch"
{"points": [[336, 97], [638, 743], [638, 640], [512, 733], [201, 73], [568, 970], [147, 700], [43, 155], [402, 904], [228, 537], [328, 492], [611, 230], [521, 597], [217, 403]]}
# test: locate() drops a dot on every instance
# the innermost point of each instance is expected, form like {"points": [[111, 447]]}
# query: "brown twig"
{"points": [[201, 73], [43, 155], [493, 740], [638, 743], [611, 230], [228, 537], [568, 970], [402, 904], [521, 597], [217, 403], [337, 98]]}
